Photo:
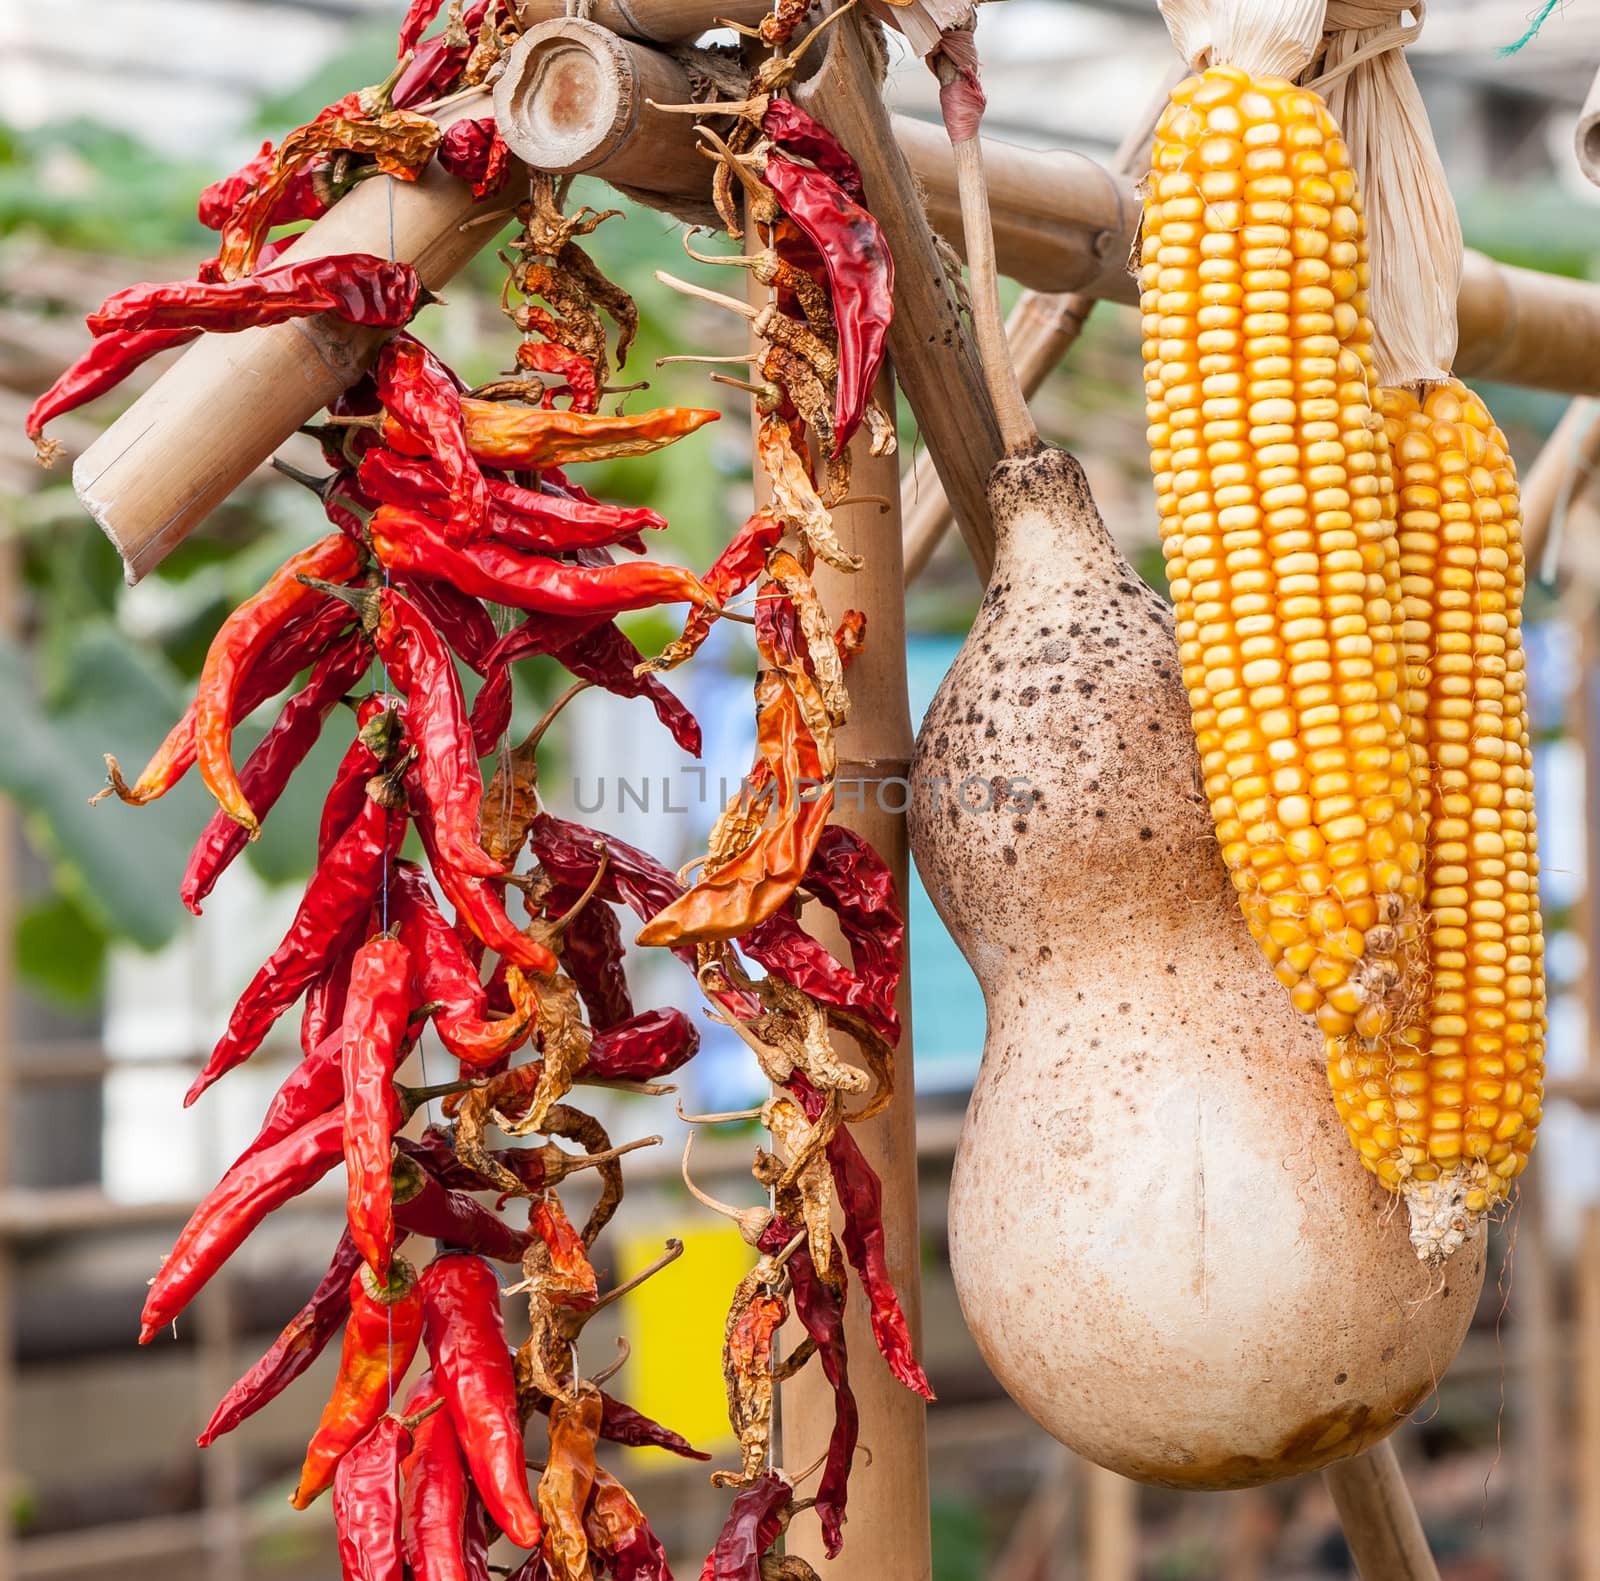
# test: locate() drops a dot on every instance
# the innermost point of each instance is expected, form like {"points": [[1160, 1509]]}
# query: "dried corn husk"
{"points": [[1267, 38], [1413, 235]]}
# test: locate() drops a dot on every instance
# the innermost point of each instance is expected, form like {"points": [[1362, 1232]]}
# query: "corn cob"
{"points": [[1445, 1108], [1279, 536]]}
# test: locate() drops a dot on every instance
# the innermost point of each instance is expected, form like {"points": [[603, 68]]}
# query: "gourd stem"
{"points": [[1017, 431]]}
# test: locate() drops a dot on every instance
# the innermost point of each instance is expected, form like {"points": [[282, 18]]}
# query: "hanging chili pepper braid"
{"points": [[447, 506]]}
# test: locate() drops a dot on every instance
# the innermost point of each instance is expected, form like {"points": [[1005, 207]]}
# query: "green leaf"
{"points": [[118, 864], [61, 951]]}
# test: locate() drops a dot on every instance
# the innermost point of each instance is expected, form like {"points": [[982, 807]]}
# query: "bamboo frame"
{"points": [[651, 21], [1380, 1522]]}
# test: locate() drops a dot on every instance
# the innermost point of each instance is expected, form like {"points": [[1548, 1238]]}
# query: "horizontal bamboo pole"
{"points": [[654, 21], [230, 400], [1062, 223]]}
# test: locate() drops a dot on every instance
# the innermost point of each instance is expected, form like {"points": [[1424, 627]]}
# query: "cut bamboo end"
{"points": [[575, 97], [1586, 138]]}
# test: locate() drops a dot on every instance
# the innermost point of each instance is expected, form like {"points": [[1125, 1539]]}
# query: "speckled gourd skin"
{"points": [[1163, 1242]]}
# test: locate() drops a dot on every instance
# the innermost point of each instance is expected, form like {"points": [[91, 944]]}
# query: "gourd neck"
{"points": [[1046, 523]]}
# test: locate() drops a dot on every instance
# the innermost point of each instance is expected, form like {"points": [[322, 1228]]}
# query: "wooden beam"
{"points": [[1380, 1521], [653, 21]]}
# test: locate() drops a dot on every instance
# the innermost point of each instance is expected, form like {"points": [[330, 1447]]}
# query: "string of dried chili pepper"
{"points": [[860, 278], [619, 1535], [568, 1480], [653, 1044], [819, 1303], [475, 152], [366, 1504], [303, 1339], [381, 1337], [301, 642], [479, 906], [421, 401], [755, 1521], [356, 287], [408, 541], [240, 641], [435, 1494], [806, 138], [376, 1011], [338, 897], [298, 200], [267, 770], [466, 1339], [233, 1208], [107, 362], [424, 1207], [861, 1197]]}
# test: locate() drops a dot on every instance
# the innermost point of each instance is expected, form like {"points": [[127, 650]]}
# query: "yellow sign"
{"points": [[674, 1326]]}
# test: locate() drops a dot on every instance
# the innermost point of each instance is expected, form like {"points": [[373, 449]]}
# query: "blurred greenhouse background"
{"points": [[113, 114]]}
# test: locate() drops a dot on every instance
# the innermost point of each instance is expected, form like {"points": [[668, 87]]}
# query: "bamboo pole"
{"points": [[1588, 1445], [653, 21], [212, 418], [936, 362], [1533, 1358], [573, 94], [1039, 332], [1559, 474], [1111, 1527], [1586, 135], [1380, 1521], [1062, 223]]}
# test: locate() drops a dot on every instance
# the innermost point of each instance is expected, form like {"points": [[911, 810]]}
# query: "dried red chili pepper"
{"points": [[107, 362], [819, 1303], [479, 906], [435, 1495], [323, 1015], [799, 134], [466, 1340], [860, 279], [366, 1504], [409, 542], [474, 152], [303, 1339], [421, 401], [861, 1197], [447, 777], [309, 1091], [299, 200], [301, 642], [518, 438], [266, 771], [592, 956], [233, 1208], [463, 622], [243, 637], [523, 517], [357, 287], [619, 1535], [424, 1207], [338, 897], [381, 1337], [747, 1368], [622, 1424], [581, 373], [346, 795], [375, 1017], [445, 975], [644, 1047], [755, 1521], [733, 571], [853, 882], [568, 1480], [570, 852]]}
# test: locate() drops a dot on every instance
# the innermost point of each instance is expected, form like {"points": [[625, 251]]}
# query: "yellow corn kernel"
{"points": [[1279, 531]]}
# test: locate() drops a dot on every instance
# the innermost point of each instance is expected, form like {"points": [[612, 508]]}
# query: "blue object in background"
{"points": [[947, 1015]]}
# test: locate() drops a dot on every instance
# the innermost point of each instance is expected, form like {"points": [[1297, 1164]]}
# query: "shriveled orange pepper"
{"points": [[749, 888], [567, 1482], [514, 437], [569, 1257], [381, 1337], [243, 636]]}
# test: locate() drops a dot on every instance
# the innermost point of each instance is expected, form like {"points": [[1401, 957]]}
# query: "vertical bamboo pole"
{"points": [[1111, 1527], [8, 1262], [1535, 1411], [1380, 1521], [1588, 1434], [888, 1530]]}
